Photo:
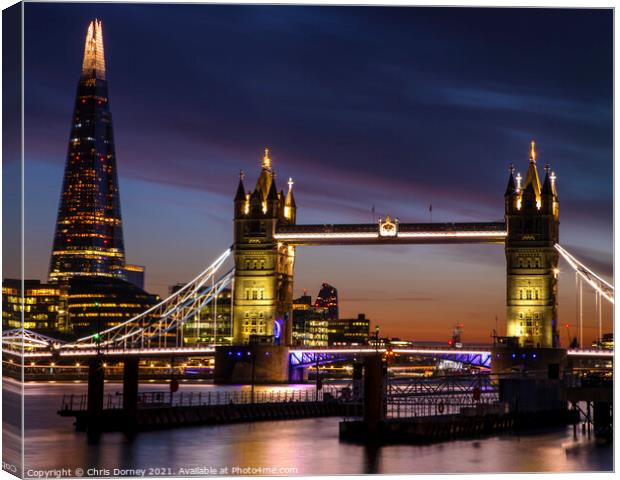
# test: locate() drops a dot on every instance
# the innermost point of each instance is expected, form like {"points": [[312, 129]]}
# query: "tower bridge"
{"points": [[263, 252], [266, 237]]}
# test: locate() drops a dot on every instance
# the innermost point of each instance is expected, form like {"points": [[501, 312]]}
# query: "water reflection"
{"points": [[304, 447]]}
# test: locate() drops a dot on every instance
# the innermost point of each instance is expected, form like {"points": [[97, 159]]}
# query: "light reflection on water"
{"points": [[310, 445]]}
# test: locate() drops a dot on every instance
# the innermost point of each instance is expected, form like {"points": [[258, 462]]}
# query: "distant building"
{"points": [[96, 303], [381, 342], [327, 302], [309, 327], [135, 275], [349, 331], [606, 343], [318, 324], [44, 306], [213, 325]]}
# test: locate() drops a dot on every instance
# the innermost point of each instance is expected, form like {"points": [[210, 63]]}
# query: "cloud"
{"points": [[560, 108]]}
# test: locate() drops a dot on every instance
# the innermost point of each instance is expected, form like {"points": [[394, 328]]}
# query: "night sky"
{"points": [[392, 107]]}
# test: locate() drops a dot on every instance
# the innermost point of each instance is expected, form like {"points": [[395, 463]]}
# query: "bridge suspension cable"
{"points": [[166, 316], [601, 286]]}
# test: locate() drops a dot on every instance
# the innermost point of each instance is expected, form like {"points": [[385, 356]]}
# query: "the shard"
{"points": [[89, 232]]}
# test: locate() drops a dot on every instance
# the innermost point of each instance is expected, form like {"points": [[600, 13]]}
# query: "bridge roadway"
{"points": [[168, 352], [392, 233]]}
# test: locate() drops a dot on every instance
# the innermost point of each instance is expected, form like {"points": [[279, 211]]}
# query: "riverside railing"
{"points": [[195, 399], [423, 397]]}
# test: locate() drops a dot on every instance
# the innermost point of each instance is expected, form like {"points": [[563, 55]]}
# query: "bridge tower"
{"points": [[263, 288], [532, 221]]}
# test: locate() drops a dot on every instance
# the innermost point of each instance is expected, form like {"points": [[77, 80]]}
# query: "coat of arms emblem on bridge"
{"points": [[388, 227]]}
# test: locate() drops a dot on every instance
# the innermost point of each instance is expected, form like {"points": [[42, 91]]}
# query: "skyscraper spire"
{"points": [[89, 231], [93, 64]]}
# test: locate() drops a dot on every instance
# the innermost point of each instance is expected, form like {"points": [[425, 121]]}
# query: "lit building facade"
{"points": [[263, 289], [349, 331], [89, 235], [327, 301], [135, 275], [97, 303], [43, 305], [532, 220], [213, 325], [605, 343], [310, 329]]}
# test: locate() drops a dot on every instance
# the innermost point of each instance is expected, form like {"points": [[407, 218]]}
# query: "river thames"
{"points": [[292, 447]]}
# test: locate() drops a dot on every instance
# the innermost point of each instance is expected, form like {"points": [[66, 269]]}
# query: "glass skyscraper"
{"points": [[89, 232]]}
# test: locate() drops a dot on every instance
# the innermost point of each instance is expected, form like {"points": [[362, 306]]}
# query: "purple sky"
{"points": [[392, 107]]}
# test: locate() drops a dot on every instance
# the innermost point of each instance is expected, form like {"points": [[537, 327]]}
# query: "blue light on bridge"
{"points": [[277, 329]]}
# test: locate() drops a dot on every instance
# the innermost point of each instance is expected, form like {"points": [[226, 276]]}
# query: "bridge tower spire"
{"points": [[532, 221], [263, 288]]}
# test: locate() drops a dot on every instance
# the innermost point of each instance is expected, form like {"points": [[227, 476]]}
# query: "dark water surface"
{"points": [[302, 447]]}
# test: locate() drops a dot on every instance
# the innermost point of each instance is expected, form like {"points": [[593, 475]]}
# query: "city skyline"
{"points": [[347, 177]]}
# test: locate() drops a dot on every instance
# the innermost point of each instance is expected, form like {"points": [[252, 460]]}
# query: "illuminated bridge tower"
{"points": [[89, 234], [532, 220], [263, 288]]}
